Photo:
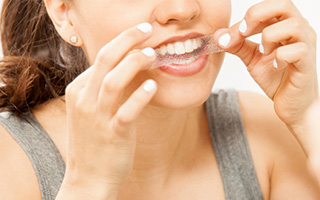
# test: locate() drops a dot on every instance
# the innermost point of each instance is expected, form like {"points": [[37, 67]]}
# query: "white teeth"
{"points": [[200, 43], [180, 48], [197, 43], [194, 44], [163, 50], [185, 62], [170, 49], [188, 46]]}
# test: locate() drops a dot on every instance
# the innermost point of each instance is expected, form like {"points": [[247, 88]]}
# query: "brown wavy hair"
{"points": [[37, 64]]}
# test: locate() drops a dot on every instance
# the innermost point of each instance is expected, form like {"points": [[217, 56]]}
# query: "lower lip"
{"points": [[187, 69]]}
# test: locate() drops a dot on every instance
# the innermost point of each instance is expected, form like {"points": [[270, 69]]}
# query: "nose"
{"points": [[177, 11]]}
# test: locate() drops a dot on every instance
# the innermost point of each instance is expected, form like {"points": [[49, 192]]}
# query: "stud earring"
{"points": [[73, 39]]}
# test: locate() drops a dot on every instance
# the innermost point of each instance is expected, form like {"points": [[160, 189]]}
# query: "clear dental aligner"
{"points": [[185, 52]]}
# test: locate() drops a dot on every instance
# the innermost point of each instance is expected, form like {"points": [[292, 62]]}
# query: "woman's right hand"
{"points": [[101, 133]]}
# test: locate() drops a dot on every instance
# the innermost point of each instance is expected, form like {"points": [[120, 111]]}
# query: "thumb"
{"points": [[232, 41]]}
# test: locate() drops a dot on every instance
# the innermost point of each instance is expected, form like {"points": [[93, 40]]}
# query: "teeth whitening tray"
{"points": [[209, 47]]}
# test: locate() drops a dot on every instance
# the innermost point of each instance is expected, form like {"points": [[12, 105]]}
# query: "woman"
{"points": [[312, 127], [128, 131]]}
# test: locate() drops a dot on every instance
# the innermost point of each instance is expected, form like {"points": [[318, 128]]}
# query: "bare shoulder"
{"points": [[17, 177], [280, 162]]}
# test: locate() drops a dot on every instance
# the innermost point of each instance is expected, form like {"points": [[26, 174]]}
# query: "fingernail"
{"points": [[275, 64], [243, 26], [261, 49], [225, 39], [145, 27], [148, 51], [149, 86]]}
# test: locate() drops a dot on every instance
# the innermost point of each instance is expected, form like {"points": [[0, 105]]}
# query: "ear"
{"points": [[58, 12]]}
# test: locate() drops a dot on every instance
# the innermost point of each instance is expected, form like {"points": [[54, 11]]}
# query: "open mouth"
{"points": [[180, 53]]}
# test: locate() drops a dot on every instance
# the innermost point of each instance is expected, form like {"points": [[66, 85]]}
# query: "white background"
{"points": [[234, 73]]}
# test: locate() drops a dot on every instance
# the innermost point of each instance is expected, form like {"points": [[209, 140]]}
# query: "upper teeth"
{"points": [[180, 48]]}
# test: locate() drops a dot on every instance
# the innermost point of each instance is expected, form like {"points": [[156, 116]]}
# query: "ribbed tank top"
{"points": [[227, 135]]}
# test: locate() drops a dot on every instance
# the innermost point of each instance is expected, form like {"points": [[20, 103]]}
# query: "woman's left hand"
{"points": [[284, 65]]}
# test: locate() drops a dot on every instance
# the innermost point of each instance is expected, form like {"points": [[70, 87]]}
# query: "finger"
{"points": [[285, 32], [112, 53], [266, 13], [233, 42], [296, 54], [117, 79], [131, 109], [77, 84]]}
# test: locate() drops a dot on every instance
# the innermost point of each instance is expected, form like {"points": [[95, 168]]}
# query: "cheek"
{"points": [[105, 22], [216, 13]]}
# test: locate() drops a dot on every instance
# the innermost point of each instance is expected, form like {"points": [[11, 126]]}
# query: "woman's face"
{"points": [[99, 21]]}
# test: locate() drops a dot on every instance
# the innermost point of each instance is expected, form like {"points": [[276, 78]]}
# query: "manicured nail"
{"points": [[243, 26], [149, 86], [145, 27], [261, 49], [225, 39], [275, 64], [148, 51]]}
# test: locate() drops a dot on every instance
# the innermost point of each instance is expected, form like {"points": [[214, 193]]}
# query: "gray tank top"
{"points": [[227, 134]]}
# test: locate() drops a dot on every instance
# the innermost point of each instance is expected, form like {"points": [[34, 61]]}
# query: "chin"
{"points": [[182, 100], [187, 92]]}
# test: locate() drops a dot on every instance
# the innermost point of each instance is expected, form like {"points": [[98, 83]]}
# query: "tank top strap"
{"points": [[42, 152], [231, 147]]}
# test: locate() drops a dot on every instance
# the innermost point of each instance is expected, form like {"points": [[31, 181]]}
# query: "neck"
{"points": [[167, 140]]}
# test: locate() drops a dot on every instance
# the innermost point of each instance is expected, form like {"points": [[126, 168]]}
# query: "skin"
{"points": [[312, 127], [159, 140]]}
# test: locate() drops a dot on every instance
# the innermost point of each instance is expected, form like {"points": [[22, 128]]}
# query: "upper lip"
{"points": [[180, 38]]}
